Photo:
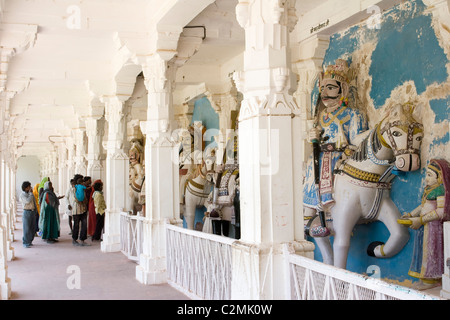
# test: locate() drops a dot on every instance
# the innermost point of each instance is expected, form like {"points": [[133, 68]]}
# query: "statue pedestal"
{"points": [[445, 292]]}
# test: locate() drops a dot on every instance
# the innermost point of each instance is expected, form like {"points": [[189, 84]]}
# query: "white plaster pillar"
{"points": [[117, 171], [70, 164], [95, 131], [80, 144], [5, 281], [307, 64], [62, 170], [161, 171], [13, 217], [4, 206], [268, 123], [54, 170]]}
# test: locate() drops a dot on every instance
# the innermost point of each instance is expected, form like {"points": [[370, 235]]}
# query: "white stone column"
{"points": [[95, 131], [13, 217], [4, 205], [161, 172], [80, 143], [5, 281], [307, 64], [62, 170], [54, 170], [70, 164], [117, 171], [268, 123]]}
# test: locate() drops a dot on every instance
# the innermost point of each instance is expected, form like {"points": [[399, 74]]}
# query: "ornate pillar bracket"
{"points": [[95, 129]]}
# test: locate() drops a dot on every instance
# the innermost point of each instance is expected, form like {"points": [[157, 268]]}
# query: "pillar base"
{"points": [[151, 270], [9, 251], [445, 292], [111, 243], [260, 272]]}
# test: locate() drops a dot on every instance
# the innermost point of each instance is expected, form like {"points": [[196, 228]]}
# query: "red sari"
{"points": [[92, 219]]}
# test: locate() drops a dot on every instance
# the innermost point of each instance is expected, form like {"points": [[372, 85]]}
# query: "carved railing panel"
{"points": [[131, 235], [199, 264], [313, 280]]}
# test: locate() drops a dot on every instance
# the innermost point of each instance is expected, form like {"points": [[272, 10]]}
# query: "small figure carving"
{"points": [[427, 219]]}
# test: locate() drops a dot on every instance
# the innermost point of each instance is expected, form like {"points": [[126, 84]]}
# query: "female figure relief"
{"points": [[427, 219]]}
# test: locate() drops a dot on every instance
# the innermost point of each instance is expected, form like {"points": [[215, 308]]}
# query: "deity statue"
{"points": [[223, 202], [427, 219], [334, 138], [136, 173], [191, 154]]}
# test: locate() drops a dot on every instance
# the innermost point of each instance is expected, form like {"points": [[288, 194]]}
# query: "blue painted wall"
{"points": [[204, 113], [406, 49]]}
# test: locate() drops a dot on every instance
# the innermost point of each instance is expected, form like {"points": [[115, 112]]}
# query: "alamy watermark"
{"points": [[74, 19], [374, 21], [374, 271], [74, 280]]}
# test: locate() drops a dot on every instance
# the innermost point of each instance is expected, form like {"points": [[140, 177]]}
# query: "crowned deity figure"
{"points": [[427, 220], [333, 135]]}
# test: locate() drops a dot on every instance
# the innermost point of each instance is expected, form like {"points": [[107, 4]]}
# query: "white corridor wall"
{"points": [[28, 169]]}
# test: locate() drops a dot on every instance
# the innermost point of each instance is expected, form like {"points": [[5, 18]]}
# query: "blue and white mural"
{"points": [[406, 52]]}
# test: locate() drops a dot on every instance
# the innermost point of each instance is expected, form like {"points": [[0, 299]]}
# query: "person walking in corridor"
{"points": [[49, 222], [70, 193], [79, 212], [29, 214], [36, 198]]}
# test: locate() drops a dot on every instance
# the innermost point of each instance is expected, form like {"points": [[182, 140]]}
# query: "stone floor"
{"points": [[61, 271]]}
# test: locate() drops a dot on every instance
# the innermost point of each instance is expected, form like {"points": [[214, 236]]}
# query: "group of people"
{"points": [[85, 209]]}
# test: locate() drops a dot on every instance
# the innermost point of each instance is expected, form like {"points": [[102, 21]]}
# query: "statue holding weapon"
{"points": [[333, 137]]}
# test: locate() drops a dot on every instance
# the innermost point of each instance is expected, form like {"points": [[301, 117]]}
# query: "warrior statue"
{"points": [[191, 154], [223, 207], [333, 136]]}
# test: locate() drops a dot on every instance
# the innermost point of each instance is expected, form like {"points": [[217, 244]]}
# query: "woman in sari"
{"points": [[49, 222], [36, 197], [41, 187], [427, 219]]}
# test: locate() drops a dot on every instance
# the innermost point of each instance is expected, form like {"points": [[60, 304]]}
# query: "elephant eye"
{"points": [[396, 133], [419, 138]]}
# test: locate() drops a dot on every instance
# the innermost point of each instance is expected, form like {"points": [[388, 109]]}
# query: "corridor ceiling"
{"points": [[65, 49]]}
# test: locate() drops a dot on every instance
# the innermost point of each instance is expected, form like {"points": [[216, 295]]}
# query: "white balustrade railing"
{"points": [[313, 280], [131, 235], [199, 264]]}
